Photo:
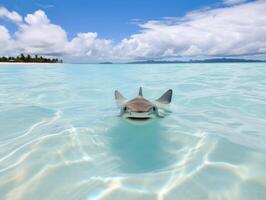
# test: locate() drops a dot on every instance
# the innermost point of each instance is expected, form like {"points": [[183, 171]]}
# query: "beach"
{"points": [[24, 63]]}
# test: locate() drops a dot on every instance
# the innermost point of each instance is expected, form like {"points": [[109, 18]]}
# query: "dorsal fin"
{"points": [[140, 91], [166, 97]]}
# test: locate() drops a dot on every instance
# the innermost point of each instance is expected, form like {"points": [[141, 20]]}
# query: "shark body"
{"points": [[139, 108]]}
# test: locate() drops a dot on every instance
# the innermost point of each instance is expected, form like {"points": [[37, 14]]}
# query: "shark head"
{"points": [[139, 108]]}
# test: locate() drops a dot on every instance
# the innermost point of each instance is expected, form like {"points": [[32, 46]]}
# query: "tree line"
{"points": [[30, 59]]}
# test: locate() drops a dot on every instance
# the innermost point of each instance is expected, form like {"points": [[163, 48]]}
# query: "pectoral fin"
{"points": [[119, 98], [166, 97]]}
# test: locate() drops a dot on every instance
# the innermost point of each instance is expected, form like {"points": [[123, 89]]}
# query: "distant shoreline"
{"points": [[214, 60], [28, 59], [208, 61], [154, 63], [204, 61], [25, 63]]}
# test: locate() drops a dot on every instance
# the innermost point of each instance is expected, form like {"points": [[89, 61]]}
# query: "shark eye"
{"points": [[153, 108], [125, 108]]}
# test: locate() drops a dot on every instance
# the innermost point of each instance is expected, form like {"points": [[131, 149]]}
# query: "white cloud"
{"points": [[7, 44], [233, 2], [88, 45], [5, 41], [237, 30], [39, 36], [12, 16], [230, 31]]}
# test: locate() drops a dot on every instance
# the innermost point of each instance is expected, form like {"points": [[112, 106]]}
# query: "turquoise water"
{"points": [[61, 137]]}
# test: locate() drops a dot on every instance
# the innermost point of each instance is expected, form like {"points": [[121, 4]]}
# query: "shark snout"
{"points": [[139, 114], [139, 110]]}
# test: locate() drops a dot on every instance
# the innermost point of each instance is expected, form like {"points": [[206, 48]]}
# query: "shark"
{"points": [[140, 108]]}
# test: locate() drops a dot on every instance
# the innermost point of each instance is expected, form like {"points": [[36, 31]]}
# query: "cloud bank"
{"points": [[235, 30]]}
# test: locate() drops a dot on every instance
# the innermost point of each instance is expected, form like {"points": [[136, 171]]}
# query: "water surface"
{"points": [[61, 137]]}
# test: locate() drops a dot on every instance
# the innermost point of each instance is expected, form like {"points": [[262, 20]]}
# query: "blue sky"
{"points": [[133, 30], [113, 19]]}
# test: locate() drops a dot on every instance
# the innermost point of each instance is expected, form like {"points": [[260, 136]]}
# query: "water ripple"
{"points": [[60, 133]]}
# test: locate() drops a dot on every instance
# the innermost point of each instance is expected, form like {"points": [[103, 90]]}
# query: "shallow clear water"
{"points": [[61, 137]]}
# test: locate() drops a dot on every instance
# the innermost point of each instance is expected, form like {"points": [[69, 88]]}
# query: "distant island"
{"points": [[214, 60], [29, 59], [105, 62]]}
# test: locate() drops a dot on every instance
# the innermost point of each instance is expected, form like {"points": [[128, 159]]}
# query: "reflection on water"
{"points": [[140, 148]]}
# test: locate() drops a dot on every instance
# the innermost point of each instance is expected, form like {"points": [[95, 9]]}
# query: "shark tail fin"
{"points": [[140, 91], [166, 98]]}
